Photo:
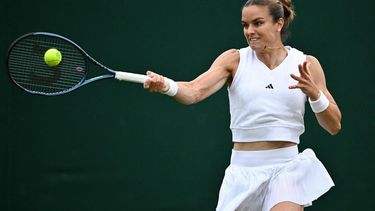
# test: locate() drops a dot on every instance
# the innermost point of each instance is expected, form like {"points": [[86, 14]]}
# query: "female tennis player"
{"points": [[268, 86]]}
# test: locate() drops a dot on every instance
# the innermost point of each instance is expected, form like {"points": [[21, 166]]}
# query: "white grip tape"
{"points": [[320, 104], [131, 77], [173, 87]]}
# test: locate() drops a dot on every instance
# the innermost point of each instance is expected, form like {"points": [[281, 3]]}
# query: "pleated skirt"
{"points": [[258, 180]]}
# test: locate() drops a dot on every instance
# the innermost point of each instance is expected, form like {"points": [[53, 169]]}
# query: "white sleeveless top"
{"points": [[262, 107]]}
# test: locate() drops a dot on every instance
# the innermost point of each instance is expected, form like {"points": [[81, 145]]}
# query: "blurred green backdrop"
{"points": [[113, 146]]}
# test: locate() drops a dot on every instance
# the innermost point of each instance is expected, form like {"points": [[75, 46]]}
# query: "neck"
{"points": [[272, 56], [274, 46]]}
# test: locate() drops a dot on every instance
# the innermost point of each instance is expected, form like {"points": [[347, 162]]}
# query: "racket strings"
{"points": [[27, 67]]}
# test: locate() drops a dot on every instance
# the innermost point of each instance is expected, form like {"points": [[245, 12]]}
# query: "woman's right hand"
{"points": [[156, 83]]}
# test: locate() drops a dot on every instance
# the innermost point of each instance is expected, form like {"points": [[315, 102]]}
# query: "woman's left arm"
{"points": [[312, 82]]}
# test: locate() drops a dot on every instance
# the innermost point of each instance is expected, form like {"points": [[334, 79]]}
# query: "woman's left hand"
{"points": [[305, 82]]}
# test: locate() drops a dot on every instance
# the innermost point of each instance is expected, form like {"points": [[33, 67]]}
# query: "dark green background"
{"points": [[113, 146]]}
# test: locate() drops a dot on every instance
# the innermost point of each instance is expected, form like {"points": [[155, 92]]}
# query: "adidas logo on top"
{"points": [[269, 86]]}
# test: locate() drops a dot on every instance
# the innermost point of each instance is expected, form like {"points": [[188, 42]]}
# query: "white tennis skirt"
{"points": [[258, 180]]}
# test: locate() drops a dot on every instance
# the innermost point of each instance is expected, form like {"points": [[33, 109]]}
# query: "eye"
{"points": [[258, 23], [245, 25]]}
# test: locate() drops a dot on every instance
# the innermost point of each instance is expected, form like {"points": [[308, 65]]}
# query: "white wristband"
{"points": [[320, 104], [173, 87]]}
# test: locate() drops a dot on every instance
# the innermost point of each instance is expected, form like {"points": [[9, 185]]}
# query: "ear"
{"points": [[280, 24]]}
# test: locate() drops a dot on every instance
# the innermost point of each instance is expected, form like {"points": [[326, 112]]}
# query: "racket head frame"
{"points": [[111, 73]]}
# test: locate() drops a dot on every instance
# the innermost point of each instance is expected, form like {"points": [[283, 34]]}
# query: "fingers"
{"points": [[146, 84], [155, 83], [304, 69], [304, 81], [304, 78], [298, 79]]}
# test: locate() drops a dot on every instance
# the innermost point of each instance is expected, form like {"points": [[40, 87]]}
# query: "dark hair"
{"points": [[278, 9]]}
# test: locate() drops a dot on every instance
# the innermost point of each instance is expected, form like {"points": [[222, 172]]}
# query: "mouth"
{"points": [[253, 39]]}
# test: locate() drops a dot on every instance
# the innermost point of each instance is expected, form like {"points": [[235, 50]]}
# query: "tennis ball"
{"points": [[52, 57]]}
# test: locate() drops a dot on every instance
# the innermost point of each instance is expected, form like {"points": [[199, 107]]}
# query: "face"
{"points": [[259, 28]]}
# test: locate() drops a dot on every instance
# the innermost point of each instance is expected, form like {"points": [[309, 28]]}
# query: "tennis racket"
{"points": [[28, 70]]}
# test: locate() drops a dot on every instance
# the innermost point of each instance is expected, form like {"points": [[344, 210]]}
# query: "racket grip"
{"points": [[131, 77]]}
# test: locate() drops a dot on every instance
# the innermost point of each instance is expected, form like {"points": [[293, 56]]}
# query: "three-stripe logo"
{"points": [[269, 86]]}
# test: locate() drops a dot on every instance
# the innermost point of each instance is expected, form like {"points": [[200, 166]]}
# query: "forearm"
{"points": [[330, 119], [187, 94], [327, 112], [201, 87]]}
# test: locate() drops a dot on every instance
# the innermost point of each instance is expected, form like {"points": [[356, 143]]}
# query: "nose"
{"points": [[249, 30]]}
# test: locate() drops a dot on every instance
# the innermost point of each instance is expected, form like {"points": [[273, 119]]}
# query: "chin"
{"points": [[256, 47]]}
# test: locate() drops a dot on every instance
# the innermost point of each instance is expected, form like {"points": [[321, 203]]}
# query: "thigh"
{"points": [[287, 206]]}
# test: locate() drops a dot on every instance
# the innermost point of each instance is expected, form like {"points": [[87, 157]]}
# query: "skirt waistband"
{"points": [[263, 157]]}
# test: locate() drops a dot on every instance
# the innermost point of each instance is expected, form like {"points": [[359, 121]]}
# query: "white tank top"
{"points": [[262, 107]]}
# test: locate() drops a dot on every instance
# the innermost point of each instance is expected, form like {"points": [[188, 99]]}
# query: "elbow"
{"points": [[335, 129], [190, 100], [186, 102], [336, 126], [188, 94], [193, 98]]}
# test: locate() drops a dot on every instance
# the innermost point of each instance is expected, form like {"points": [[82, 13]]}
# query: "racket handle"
{"points": [[131, 77]]}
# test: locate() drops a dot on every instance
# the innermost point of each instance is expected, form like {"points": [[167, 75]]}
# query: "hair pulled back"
{"points": [[278, 9]]}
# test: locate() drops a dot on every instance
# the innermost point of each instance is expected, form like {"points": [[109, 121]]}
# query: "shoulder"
{"points": [[312, 59], [229, 59], [236, 53], [315, 69], [315, 66], [231, 54]]}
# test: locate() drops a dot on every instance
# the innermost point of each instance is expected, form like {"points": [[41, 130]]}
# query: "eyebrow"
{"points": [[258, 19], [255, 20]]}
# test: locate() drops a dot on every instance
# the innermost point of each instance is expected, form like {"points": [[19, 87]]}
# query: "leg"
{"points": [[287, 206]]}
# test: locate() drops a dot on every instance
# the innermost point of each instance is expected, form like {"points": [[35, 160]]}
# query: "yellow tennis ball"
{"points": [[52, 57]]}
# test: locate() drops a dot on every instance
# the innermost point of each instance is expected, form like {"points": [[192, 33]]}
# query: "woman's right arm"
{"points": [[204, 85]]}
